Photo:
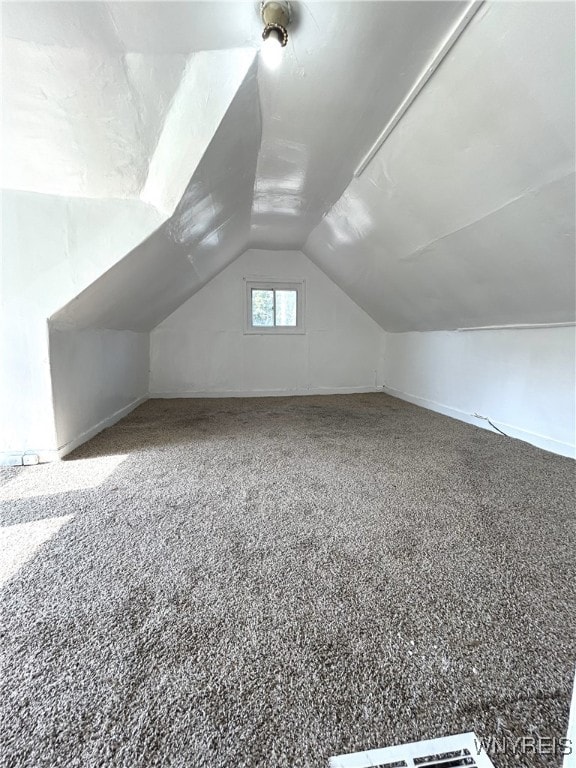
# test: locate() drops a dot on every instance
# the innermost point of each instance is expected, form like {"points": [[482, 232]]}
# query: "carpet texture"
{"points": [[268, 582]]}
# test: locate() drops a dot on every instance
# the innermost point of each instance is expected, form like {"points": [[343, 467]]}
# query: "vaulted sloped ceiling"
{"points": [[90, 111], [209, 229], [350, 66], [464, 217]]}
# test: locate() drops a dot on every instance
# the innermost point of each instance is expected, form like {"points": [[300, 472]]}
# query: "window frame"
{"points": [[265, 284]]}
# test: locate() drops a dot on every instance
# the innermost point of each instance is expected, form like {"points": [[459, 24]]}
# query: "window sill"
{"points": [[274, 332]]}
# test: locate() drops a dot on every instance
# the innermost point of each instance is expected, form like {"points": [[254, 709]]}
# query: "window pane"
{"points": [[286, 307], [262, 308]]}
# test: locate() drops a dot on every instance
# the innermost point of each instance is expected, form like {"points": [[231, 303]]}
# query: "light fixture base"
{"points": [[279, 30], [275, 12]]}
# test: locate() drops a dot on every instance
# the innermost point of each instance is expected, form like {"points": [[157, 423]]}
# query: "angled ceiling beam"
{"points": [[471, 9]]}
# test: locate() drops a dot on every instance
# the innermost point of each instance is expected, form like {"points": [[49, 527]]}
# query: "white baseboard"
{"points": [[17, 458], [540, 441], [264, 392], [107, 422]]}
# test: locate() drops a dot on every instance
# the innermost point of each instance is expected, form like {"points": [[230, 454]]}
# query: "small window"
{"points": [[273, 307]]}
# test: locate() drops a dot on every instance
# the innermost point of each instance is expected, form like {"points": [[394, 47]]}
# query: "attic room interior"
{"points": [[288, 384]]}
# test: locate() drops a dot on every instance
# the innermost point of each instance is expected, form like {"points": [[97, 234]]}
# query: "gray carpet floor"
{"points": [[269, 582]]}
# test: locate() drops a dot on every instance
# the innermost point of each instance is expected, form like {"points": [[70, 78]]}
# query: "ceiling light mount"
{"points": [[278, 30], [276, 17]]}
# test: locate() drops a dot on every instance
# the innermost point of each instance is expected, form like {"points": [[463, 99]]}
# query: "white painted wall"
{"points": [[52, 248], [98, 376], [201, 349], [521, 379]]}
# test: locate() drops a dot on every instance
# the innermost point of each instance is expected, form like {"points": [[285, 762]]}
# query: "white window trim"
{"points": [[279, 285]]}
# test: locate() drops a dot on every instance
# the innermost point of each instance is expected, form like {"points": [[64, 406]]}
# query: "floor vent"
{"points": [[463, 749]]}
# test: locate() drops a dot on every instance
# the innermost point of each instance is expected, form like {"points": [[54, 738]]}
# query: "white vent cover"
{"points": [[463, 749]]}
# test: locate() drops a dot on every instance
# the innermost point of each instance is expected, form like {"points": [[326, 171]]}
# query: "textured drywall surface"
{"points": [[465, 216], [202, 347], [208, 85], [52, 248], [71, 123], [523, 380], [86, 114], [209, 229], [95, 374]]}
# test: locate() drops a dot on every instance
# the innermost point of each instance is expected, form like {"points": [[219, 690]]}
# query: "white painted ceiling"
{"points": [[209, 229], [464, 217]]}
